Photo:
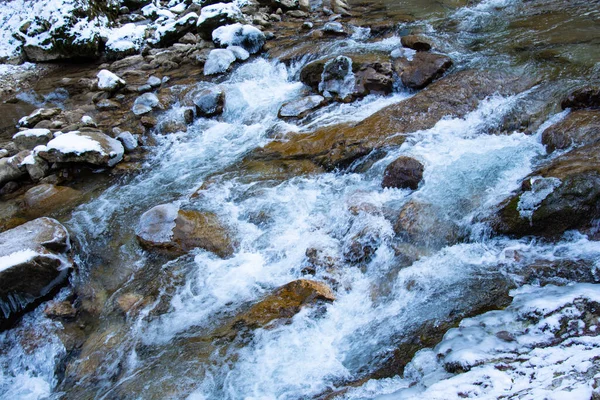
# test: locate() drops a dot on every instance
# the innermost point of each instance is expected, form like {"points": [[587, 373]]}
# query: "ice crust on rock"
{"points": [[218, 61]]}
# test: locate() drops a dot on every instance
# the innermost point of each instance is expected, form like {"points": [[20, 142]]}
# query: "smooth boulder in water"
{"points": [[422, 70], [34, 261], [588, 97], [301, 107], [145, 104]]}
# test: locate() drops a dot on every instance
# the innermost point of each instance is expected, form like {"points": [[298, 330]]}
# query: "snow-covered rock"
{"points": [[216, 15], [171, 31], [30, 138], [145, 103], [38, 115], [109, 81], [12, 168], [247, 36], [33, 262], [124, 40], [218, 61], [91, 147]]}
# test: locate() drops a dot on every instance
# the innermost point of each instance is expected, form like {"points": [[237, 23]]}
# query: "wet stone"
{"points": [[416, 42], [301, 107], [209, 102], [403, 173]]}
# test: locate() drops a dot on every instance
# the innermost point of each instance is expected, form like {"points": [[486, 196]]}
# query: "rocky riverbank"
{"points": [[293, 199]]}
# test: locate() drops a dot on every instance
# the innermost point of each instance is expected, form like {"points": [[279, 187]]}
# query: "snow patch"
{"points": [[16, 258]]}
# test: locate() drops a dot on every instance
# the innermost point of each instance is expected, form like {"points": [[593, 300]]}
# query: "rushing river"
{"points": [[469, 170]]}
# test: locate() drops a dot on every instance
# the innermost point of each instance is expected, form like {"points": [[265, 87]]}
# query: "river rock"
{"points": [[416, 42], [216, 15], [37, 116], [30, 138], [246, 36], [339, 145], [46, 198], [167, 227], [423, 69], [145, 104], [579, 128], [403, 173], [426, 225], [33, 263], [129, 141], [367, 75], [588, 97], [219, 61], [37, 167], [285, 302], [93, 147], [563, 195], [12, 168], [334, 28], [301, 107], [109, 81], [209, 102]]}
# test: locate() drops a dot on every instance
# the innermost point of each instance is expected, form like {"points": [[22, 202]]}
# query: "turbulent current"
{"points": [[180, 345]]}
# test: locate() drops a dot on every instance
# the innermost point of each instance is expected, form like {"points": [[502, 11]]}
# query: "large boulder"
{"points": [[169, 228], [578, 128], [422, 69], [337, 146], [46, 198], [416, 42], [34, 261], [216, 15], [93, 147]]}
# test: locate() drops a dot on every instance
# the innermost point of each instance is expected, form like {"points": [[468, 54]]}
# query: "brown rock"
{"points": [[286, 302], [588, 97], [167, 227], [46, 198], [416, 42], [423, 69], [403, 173], [60, 310]]}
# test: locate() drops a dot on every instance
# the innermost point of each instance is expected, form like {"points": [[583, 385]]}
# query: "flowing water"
{"points": [[175, 346]]}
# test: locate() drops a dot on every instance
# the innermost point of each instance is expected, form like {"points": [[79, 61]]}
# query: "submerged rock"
{"points": [[170, 228], [403, 173], [301, 107], [33, 263], [91, 147]]}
